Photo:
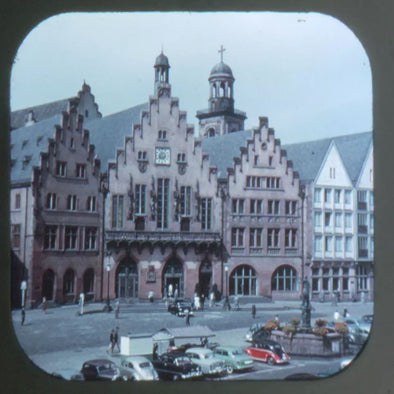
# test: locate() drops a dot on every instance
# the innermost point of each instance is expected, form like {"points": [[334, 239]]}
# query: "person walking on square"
{"points": [[254, 311], [111, 341], [117, 308], [23, 315], [187, 318], [116, 339], [44, 304]]}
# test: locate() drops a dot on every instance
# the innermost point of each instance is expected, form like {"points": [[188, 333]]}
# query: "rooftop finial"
{"points": [[221, 50]]}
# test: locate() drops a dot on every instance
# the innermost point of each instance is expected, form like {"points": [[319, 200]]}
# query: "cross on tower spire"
{"points": [[221, 50]]}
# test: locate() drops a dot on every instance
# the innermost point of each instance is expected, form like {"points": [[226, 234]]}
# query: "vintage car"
{"points": [[140, 367], [268, 351], [205, 358], [102, 369], [180, 307], [176, 366], [68, 374], [253, 329], [234, 358]]}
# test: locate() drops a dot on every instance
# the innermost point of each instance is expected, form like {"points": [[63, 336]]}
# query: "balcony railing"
{"points": [[155, 236]]}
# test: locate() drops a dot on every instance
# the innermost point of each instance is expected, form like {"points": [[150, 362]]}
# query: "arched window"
{"points": [[210, 132], [284, 279], [243, 281], [68, 282]]}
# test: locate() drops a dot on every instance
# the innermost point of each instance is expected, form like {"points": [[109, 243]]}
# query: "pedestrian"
{"points": [[176, 292], [23, 315], [276, 320], [117, 308], [336, 315], [169, 290], [155, 351], [187, 318], [345, 313], [211, 299], [253, 311], [44, 304], [202, 301], [81, 302], [116, 339], [111, 341]]}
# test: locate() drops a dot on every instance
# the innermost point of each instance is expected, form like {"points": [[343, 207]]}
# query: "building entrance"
{"points": [[173, 278], [205, 277], [48, 281], [127, 280]]}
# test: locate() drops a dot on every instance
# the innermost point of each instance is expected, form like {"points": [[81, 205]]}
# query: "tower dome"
{"points": [[162, 77], [221, 69], [162, 60]]}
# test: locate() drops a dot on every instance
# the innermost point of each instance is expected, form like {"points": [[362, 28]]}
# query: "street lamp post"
{"points": [[108, 306]]}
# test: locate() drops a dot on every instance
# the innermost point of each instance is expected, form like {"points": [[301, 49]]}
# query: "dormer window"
{"points": [[162, 135], [181, 158]]}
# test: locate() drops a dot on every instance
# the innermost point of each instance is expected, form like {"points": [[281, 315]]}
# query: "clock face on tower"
{"points": [[163, 156]]}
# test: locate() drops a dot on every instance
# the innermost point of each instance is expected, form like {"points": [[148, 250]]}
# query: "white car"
{"points": [[140, 367], [205, 358]]}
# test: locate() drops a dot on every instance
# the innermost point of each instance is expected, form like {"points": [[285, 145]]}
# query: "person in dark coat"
{"points": [[116, 339], [253, 311], [23, 315], [187, 318]]}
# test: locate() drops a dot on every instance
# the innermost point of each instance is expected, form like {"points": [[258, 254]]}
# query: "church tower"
{"points": [[162, 76], [220, 117]]}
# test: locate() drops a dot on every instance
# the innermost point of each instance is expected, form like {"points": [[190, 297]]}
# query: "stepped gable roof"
{"points": [[41, 112], [27, 143], [222, 149], [107, 134], [307, 157]]}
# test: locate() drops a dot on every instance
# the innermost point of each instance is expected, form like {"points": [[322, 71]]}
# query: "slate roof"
{"points": [[26, 145], [108, 134], [41, 112], [222, 149], [307, 157]]}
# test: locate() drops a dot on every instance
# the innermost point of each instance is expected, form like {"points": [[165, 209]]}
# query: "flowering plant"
{"points": [[341, 327], [271, 325]]}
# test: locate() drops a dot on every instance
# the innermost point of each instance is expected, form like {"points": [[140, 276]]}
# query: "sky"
{"points": [[307, 72]]}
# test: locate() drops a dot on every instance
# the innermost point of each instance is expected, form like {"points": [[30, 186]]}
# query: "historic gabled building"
{"points": [[55, 221], [133, 204], [338, 177]]}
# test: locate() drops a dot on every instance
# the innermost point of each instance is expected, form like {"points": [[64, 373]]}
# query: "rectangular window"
{"points": [[328, 244], [317, 219], [256, 207], [186, 200], [206, 213], [71, 235], [273, 207], [117, 211], [362, 278], [362, 246], [140, 199], [326, 279], [317, 195], [348, 221], [15, 236], [163, 201], [348, 197], [90, 238], [338, 244], [318, 244], [255, 239], [348, 244], [291, 208], [80, 171], [61, 168], [51, 201], [237, 237], [327, 219], [50, 237], [238, 205], [338, 219], [272, 182], [337, 196], [290, 238], [362, 199], [17, 201], [72, 202], [273, 238], [327, 196], [91, 204]]}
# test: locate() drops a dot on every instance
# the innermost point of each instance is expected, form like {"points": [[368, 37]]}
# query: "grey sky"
{"points": [[307, 72]]}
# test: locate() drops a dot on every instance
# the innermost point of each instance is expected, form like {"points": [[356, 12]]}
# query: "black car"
{"points": [[102, 369], [180, 307], [176, 366], [260, 335]]}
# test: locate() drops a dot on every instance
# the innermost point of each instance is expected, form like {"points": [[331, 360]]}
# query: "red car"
{"points": [[268, 351]]}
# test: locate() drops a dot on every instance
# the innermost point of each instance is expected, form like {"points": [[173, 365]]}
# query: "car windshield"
{"points": [[145, 365], [237, 352]]}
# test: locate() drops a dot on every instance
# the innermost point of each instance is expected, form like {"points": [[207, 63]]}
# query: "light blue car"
{"points": [[234, 358]]}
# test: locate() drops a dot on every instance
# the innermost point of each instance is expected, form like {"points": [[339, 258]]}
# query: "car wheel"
{"points": [[229, 369], [175, 378], [270, 361]]}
